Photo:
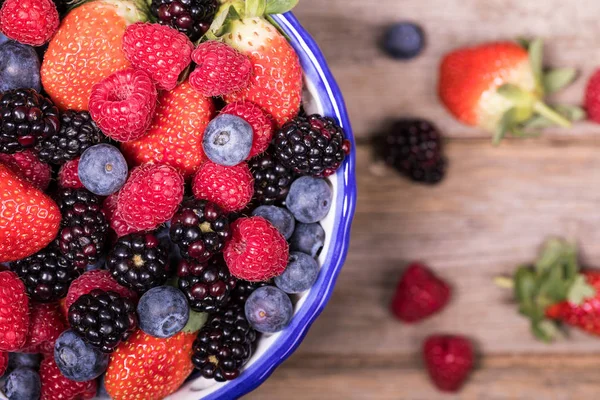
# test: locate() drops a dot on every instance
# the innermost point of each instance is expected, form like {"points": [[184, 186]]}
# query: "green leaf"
{"points": [[515, 95], [545, 330], [507, 122], [280, 6], [230, 11], [580, 290], [523, 42], [195, 322], [558, 79], [525, 291], [536, 55], [570, 112], [255, 8], [552, 252]]}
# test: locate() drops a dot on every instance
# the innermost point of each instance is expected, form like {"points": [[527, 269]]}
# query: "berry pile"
{"points": [[155, 228]]}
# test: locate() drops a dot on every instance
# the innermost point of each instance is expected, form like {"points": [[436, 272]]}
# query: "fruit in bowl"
{"points": [[196, 239]]}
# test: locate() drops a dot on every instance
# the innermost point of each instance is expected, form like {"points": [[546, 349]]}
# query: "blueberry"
{"points": [[101, 264], [102, 169], [19, 67], [163, 235], [17, 360], [77, 360], [163, 311], [3, 38], [308, 238], [23, 384], [299, 275], [404, 40], [269, 309], [281, 218], [227, 140], [102, 393], [309, 199]]}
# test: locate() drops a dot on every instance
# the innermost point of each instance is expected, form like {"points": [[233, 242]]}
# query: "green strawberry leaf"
{"points": [[280, 6], [525, 291], [255, 8], [570, 112], [545, 330], [523, 42], [505, 125], [229, 11], [553, 251], [580, 290], [536, 58], [195, 322], [558, 79]]}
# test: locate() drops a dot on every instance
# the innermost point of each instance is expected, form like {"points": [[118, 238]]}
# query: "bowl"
{"points": [[323, 96]]}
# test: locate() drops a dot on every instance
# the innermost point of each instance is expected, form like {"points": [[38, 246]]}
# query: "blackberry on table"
{"points": [[224, 345], [138, 261], [191, 17], [243, 290], [312, 145], [207, 286], [271, 179], [200, 229], [77, 132], [26, 117], [103, 319]]}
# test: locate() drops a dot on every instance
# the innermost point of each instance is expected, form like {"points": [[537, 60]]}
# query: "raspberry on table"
{"points": [[261, 123], [28, 165], [272, 180], [56, 386], [109, 207], [32, 22], [68, 175], [14, 312], [231, 188]]}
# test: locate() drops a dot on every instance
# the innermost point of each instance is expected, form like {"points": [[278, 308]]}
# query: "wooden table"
{"points": [[493, 211]]}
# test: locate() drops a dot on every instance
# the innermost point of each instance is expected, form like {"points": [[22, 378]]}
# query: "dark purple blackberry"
{"points": [[243, 290], [224, 345], [103, 319], [414, 148], [26, 117], [139, 262], [207, 286], [192, 17], [47, 275], [312, 145], [271, 179], [200, 229], [84, 228], [77, 132]]}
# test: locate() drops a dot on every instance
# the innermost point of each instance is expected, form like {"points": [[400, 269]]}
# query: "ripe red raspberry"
{"points": [[109, 207], [231, 188], [14, 312], [592, 97], [257, 251], [68, 176], [123, 104], [151, 196], [159, 50], [56, 387], [28, 165], [262, 124], [45, 326], [449, 360], [32, 22], [220, 69], [3, 362]]}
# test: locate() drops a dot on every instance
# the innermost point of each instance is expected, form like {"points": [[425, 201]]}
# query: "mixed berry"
{"points": [[156, 228]]}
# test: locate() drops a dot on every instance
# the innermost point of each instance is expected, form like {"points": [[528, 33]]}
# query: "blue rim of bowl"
{"points": [[315, 66]]}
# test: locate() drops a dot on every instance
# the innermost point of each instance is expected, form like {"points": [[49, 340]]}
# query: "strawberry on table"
{"points": [[14, 312], [449, 360], [31, 22]]}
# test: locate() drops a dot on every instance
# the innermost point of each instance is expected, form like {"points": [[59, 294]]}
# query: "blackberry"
{"points": [[103, 319], [84, 228], [47, 275], [26, 117], [414, 148], [207, 286], [200, 229], [77, 132], [191, 17], [271, 179], [312, 145], [243, 290], [224, 345], [139, 262]]}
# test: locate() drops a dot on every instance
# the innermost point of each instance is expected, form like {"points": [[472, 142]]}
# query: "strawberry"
{"points": [[27, 165], [592, 97], [56, 387], [32, 22], [45, 326], [14, 312], [419, 294], [449, 360], [262, 125], [231, 188], [87, 48], [500, 87], [175, 136], [29, 220], [3, 362], [68, 175]]}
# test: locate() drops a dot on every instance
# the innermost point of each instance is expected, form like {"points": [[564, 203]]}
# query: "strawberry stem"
{"points": [[504, 282], [550, 114]]}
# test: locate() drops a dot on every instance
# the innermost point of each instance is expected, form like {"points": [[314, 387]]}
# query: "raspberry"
{"points": [[220, 69], [592, 97], [262, 125], [151, 196], [56, 387], [256, 251], [123, 104], [159, 50], [109, 207], [231, 188], [32, 22], [46, 325], [68, 176], [28, 166], [14, 312], [3, 362]]}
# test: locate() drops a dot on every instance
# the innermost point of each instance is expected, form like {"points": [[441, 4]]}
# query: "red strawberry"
{"points": [[14, 312], [68, 175], [262, 125], [592, 97], [159, 50], [449, 360], [419, 294], [32, 22], [220, 69], [45, 326], [123, 104], [29, 220], [149, 368], [231, 188], [109, 208], [27, 165], [56, 387], [256, 251], [175, 137], [3, 362]]}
